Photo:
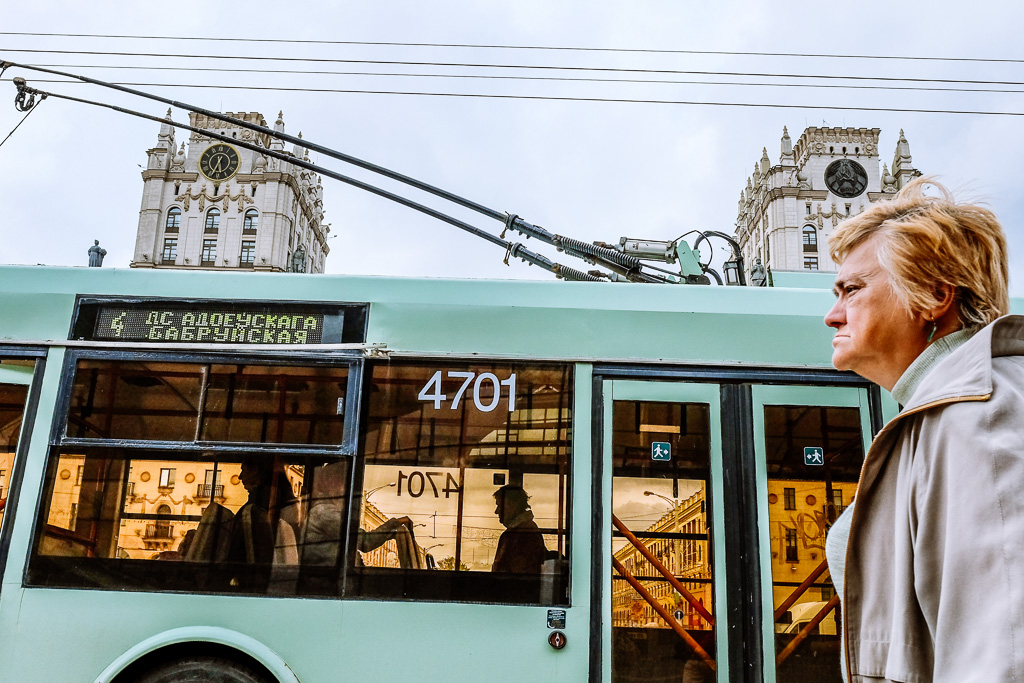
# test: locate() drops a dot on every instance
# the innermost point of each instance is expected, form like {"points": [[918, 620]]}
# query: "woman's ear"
{"points": [[945, 297]]}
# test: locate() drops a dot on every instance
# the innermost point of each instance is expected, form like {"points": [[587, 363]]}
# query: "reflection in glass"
{"points": [[157, 401], [662, 617], [231, 523], [804, 499], [476, 457], [12, 408]]}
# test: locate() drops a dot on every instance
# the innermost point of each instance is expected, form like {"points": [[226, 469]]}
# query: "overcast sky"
{"points": [[590, 170]]}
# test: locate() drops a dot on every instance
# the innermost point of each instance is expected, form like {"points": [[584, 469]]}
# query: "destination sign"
{"points": [[205, 325]]}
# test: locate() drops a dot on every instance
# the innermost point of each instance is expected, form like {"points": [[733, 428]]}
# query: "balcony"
{"points": [[810, 248], [206, 491]]}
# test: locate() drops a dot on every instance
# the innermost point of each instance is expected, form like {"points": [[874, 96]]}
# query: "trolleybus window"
{"points": [[471, 462], [661, 460], [15, 375], [195, 477]]}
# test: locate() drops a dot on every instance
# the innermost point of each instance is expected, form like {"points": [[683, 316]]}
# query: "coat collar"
{"points": [[966, 374]]}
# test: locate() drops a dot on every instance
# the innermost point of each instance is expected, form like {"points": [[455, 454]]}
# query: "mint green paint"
{"points": [[841, 397], [675, 392], [509, 318], [16, 374]]}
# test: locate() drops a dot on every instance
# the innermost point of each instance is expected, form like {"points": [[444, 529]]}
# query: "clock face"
{"points": [[846, 178], [219, 162]]}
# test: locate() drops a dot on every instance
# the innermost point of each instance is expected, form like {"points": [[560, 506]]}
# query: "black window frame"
{"points": [[42, 571]]}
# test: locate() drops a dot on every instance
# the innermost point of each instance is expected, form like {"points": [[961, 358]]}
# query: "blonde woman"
{"points": [[929, 562]]}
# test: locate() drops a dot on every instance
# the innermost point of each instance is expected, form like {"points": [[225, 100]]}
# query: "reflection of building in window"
{"points": [[78, 476], [687, 558], [791, 552], [167, 478], [789, 497]]}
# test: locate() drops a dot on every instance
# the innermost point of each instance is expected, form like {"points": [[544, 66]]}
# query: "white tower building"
{"points": [[788, 210], [218, 206]]}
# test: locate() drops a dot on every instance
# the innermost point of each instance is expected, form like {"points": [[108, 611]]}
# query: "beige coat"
{"points": [[934, 585]]}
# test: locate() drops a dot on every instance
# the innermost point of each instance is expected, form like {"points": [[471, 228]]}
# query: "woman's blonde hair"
{"points": [[925, 241]]}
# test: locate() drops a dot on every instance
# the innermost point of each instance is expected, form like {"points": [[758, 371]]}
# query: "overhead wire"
{"points": [[565, 48], [557, 98], [568, 79], [479, 65]]}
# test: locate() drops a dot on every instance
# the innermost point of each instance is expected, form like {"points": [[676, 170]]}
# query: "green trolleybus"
{"points": [[295, 478]]}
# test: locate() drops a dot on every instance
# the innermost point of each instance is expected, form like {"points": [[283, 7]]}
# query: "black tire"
{"points": [[203, 669]]}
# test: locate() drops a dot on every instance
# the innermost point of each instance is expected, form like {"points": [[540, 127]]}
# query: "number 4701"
{"points": [[431, 391]]}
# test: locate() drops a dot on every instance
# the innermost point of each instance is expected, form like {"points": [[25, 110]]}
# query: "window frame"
{"points": [[46, 567], [250, 222], [173, 227], [208, 255], [170, 250], [211, 223]]}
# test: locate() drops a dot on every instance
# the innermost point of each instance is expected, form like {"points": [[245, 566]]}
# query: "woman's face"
{"points": [[875, 337]]}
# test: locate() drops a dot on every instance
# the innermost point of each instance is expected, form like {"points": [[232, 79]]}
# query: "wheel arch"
{"points": [[212, 639]]}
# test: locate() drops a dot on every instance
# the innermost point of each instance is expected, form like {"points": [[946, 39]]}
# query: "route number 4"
{"points": [[431, 391]]}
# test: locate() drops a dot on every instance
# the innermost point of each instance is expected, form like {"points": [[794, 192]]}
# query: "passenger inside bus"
{"points": [[521, 548], [323, 528]]}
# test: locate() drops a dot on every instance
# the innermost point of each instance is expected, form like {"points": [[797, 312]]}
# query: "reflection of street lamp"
{"points": [[668, 500], [366, 496]]}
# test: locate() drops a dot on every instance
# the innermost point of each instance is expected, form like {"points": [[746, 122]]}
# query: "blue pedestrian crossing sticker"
{"points": [[814, 455], [661, 450]]}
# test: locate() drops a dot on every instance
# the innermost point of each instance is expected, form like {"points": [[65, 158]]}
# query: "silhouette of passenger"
{"points": [[255, 524], [521, 548]]}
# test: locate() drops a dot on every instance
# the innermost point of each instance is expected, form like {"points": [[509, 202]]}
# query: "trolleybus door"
{"points": [[663, 584], [809, 446]]}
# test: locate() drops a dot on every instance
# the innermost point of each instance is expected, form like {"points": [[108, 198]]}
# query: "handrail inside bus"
{"points": [[806, 630], [663, 613], [801, 589], [664, 571]]}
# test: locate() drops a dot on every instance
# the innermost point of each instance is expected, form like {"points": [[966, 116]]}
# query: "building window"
{"points": [[3, 480], [170, 250], [212, 220], [167, 478], [791, 554], [810, 262], [251, 222], [789, 498], [248, 255], [810, 239], [173, 220], [209, 255], [79, 475], [808, 208], [847, 209], [837, 497]]}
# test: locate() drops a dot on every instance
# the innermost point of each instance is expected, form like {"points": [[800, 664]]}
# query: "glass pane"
{"points": [[467, 470], [159, 401], [12, 408], [814, 456], [661, 617], [269, 404], [124, 519]]}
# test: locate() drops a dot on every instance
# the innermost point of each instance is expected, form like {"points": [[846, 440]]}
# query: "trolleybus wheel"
{"points": [[203, 669]]}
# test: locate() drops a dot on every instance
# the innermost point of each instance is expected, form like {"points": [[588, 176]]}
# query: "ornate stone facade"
{"points": [[239, 210], [788, 209]]}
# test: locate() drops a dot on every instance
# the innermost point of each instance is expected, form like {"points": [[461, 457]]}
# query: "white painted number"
{"points": [[437, 396], [431, 391]]}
